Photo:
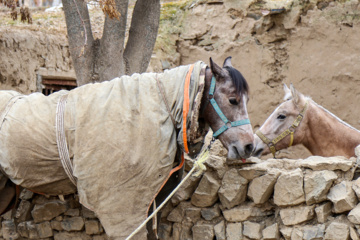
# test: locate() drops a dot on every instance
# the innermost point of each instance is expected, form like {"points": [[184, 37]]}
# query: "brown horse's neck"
{"points": [[326, 135]]}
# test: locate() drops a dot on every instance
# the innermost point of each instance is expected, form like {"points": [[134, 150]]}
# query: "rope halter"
{"points": [[271, 143], [228, 124]]}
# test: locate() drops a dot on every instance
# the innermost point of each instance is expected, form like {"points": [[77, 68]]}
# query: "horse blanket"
{"points": [[120, 138]]}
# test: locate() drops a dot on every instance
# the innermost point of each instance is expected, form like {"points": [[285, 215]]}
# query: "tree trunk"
{"points": [[105, 59], [80, 39], [142, 35]]}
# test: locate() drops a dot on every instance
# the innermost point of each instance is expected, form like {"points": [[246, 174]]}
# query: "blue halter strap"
{"points": [[227, 124]]}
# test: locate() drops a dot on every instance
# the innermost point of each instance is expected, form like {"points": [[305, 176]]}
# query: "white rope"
{"points": [[199, 166], [61, 139]]}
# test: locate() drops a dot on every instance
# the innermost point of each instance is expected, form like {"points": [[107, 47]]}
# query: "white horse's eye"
{"points": [[281, 117], [233, 101]]}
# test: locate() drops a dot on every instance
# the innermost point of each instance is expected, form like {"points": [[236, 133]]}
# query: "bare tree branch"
{"points": [[110, 56]]}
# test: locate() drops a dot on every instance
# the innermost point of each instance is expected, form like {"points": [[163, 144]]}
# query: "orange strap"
{"points": [[186, 106], [177, 168]]}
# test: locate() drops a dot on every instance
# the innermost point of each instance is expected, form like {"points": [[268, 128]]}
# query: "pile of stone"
{"points": [[314, 198], [41, 217]]}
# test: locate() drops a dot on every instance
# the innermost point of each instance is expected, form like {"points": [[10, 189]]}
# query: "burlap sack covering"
{"points": [[120, 137]]}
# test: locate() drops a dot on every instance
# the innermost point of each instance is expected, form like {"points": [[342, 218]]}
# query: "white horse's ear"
{"points": [[227, 62], [295, 94], [288, 94]]}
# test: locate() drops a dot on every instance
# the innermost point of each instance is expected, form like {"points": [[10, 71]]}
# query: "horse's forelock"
{"points": [[239, 81]]}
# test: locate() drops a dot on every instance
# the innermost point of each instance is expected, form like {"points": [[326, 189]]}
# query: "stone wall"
{"points": [[43, 217], [314, 198]]}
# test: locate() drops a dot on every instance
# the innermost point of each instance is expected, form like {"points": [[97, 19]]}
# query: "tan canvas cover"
{"points": [[120, 137]]}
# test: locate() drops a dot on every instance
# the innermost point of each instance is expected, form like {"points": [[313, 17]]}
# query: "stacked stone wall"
{"points": [[314, 198]]}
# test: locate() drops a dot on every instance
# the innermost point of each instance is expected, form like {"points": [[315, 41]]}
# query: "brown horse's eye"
{"points": [[233, 101], [281, 117]]}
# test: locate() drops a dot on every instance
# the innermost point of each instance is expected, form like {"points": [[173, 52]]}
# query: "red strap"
{"points": [[186, 106]]}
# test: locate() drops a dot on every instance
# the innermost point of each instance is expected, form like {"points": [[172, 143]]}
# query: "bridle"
{"points": [[271, 143], [227, 124]]}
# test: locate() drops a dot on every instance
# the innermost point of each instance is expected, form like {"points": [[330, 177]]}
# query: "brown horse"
{"points": [[299, 120], [116, 142]]}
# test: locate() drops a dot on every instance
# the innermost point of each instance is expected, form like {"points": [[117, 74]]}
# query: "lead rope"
{"points": [[198, 166]]}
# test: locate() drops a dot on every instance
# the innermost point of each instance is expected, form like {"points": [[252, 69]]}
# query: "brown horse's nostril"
{"points": [[249, 148]]}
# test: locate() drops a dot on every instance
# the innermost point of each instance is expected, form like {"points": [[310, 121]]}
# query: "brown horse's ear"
{"points": [[216, 70], [227, 62]]}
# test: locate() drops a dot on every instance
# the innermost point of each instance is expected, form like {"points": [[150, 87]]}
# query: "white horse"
{"points": [[299, 120]]}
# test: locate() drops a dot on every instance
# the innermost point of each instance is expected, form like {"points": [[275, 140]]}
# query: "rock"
{"points": [[205, 194], [326, 163], [72, 212], [73, 224], [233, 189], [217, 163], [164, 231], [337, 231], [244, 212], [31, 227], [23, 212], [234, 231], [289, 189], [286, 232], [261, 188], [323, 212], [343, 197], [296, 215], [26, 194], [203, 231], [271, 232], [72, 235], [210, 213], [192, 214], [219, 230], [56, 225], [292, 17], [87, 213], [44, 229], [9, 230], [178, 213], [252, 230], [317, 185], [186, 230], [93, 227], [296, 234], [356, 187], [354, 215], [313, 232], [186, 190], [22, 230], [353, 234], [48, 210]]}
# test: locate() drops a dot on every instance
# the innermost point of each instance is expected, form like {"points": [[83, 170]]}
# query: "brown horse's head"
{"points": [[282, 128], [224, 109]]}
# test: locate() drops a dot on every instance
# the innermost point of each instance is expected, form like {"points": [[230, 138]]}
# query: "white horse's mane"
{"points": [[333, 115]]}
